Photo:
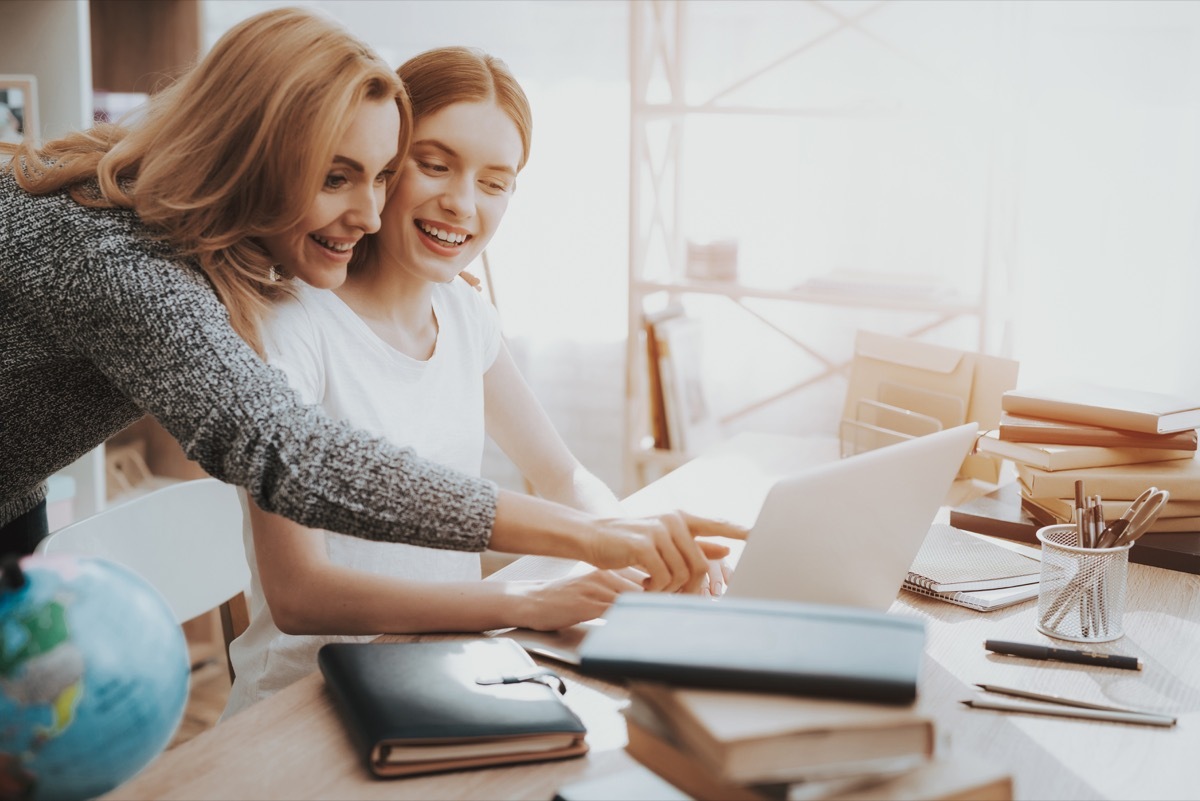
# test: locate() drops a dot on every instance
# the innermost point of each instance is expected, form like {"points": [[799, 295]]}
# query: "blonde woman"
{"points": [[134, 267], [405, 349]]}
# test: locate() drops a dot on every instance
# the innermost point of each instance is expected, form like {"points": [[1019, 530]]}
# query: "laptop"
{"points": [[842, 532], [846, 532]]}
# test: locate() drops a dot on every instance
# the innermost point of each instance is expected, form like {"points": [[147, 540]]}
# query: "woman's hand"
{"points": [[472, 280], [664, 547], [553, 605]]}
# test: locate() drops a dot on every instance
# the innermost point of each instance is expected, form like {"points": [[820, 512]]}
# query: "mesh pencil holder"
{"points": [[1081, 595]]}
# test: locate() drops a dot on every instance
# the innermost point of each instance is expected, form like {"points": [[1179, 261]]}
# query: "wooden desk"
{"points": [[293, 745]]}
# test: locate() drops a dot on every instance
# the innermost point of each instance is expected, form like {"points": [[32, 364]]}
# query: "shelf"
{"points": [[950, 305], [672, 102]]}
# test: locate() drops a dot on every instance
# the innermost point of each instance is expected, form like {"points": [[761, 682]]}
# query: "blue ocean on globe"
{"points": [[93, 677]]}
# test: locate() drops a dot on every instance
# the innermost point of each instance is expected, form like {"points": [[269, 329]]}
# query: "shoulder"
{"points": [[464, 298], [52, 238], [298, 314]]}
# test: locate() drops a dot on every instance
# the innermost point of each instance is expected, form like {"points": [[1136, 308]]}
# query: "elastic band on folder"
{"points": [[544, 676]]}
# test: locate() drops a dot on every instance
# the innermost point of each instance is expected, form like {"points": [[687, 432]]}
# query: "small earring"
{"points": [[273, 274]]}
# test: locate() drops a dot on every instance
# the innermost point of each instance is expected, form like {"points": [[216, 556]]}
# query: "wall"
{"points": [[50, 39]]}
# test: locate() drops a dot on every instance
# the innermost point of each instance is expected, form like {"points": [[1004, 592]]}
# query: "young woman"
{"points": [[404, 349], [135, 262]]}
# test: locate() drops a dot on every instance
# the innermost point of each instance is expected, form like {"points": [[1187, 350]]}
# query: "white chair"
{"points": [[185, 539]]}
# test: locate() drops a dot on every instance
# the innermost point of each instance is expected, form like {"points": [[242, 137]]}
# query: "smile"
{"points": [[443, 237], [336, 247]]}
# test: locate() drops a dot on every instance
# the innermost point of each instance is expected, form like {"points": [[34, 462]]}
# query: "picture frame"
{"points": [[18, 108]]}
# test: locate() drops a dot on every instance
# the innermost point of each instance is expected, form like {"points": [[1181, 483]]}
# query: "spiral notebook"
{"points": [[953, 561]]}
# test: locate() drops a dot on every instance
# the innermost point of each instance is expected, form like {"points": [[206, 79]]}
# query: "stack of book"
{"points": [[1117, 442], [729, 744]]}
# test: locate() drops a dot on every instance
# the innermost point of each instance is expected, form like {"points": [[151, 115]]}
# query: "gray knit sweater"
{"points": [[100, 325]]}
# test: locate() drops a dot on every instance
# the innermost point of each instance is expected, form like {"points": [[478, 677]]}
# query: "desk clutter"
{"points": [[824, 711], [958, 568], [1118, 443]]}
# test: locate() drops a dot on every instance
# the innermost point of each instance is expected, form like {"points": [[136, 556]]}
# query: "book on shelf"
{"points": [[768, 738], [692, 425], [764, 645], [1015, 428], [1112, 407], [1068, 457], [980, 600], [951, 560], [425, 707], [1180, 477], [658, 411], [997, 514], [652, 742]]}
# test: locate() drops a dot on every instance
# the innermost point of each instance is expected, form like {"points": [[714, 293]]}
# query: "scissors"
{"points": [[1140, 515]]}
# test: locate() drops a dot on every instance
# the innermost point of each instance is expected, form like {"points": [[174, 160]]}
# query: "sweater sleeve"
{"points": [[158, 332]]}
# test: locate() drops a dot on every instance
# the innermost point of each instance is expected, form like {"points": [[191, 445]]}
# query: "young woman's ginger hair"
{"points": [[236, 149], [446, 75]]}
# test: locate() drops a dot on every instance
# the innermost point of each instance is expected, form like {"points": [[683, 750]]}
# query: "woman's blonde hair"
{"points": [[446, 75], [235, 150]]}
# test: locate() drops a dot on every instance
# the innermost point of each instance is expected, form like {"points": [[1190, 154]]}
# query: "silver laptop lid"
{"points": [[846, 532]]}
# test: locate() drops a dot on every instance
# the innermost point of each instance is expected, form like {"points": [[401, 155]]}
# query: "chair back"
{"points": [[185, 539]]}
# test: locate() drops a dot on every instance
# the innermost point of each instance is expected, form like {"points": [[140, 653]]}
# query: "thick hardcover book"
{"points": [[997, 514], [424, 707], [1062, 510], [1069, 457], [1014, 428], [636, 781], [952, 560], [652, 744], [941, 779], [764, 738], [1113, 407], [1180, 477], [741, 643], [1002, 516]]}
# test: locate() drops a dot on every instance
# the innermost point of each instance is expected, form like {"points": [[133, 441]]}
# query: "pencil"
{"points": [[1141, 718]]}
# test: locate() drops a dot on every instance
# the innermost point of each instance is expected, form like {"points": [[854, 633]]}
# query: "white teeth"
{"points": [[339, 247], [445, 236]]}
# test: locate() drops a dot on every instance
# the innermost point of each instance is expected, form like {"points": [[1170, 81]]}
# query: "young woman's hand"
{"points": [[664, 547], [556, 604]]}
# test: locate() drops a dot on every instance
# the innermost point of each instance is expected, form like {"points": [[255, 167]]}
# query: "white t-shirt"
{"points": [[333, 358]]}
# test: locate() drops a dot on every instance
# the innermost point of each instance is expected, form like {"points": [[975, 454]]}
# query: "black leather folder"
{"points": [[425, 707]]}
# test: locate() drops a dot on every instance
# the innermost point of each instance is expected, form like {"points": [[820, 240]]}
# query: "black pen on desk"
{"points": [[1046, 653]]}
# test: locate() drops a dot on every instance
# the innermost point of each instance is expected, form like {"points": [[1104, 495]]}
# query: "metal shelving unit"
{"points": [[664, 103]]}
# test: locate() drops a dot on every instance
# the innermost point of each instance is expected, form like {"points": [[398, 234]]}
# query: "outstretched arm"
{"points": [[308, 594], [520, 426], [160, 336]]}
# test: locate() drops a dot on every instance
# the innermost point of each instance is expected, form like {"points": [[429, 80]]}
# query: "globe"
{"points": [[93, 676]]}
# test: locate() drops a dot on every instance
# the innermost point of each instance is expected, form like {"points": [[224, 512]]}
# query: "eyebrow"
{"points": [[349, 162], [450, 152]]}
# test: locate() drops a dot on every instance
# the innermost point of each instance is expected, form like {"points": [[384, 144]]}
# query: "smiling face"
{"points": [[453, 190], [318, 248]]}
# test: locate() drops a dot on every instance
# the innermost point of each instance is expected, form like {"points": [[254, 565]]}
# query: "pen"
{"points": [[1045, 652], [1071, 712]]}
